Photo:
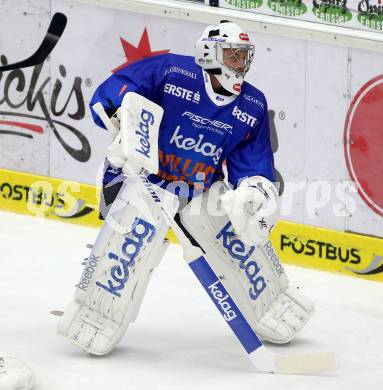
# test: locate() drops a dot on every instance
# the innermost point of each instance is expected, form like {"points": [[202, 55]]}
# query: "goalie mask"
{"points": [[225, 51]]}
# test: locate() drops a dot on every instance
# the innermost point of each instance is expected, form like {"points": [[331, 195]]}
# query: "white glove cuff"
{"points": [[252, 209], [264, 185]]}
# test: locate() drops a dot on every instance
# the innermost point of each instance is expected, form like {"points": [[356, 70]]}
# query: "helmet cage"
{"points": [[235, 47]]}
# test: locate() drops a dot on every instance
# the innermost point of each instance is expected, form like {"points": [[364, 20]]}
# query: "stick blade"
{"points": [[55, 30], [54, 33], [58, 24], [306, 363]]}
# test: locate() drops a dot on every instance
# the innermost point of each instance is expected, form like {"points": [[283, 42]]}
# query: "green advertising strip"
{"points": [[374, 22], [370, 14], [245, 4], [292, 8], [332, 14]]}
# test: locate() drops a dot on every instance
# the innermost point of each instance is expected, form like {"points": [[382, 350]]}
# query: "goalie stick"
{"points": [[54, 33], [263, 359]]}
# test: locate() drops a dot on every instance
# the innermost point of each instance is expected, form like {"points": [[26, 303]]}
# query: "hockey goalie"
{"points": [[181, 118]]}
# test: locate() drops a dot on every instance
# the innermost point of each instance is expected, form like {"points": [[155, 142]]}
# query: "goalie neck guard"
{"points": [[225, 51]]}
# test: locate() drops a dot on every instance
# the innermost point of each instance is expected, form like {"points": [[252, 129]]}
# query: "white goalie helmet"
{"points": [[225, 50]]}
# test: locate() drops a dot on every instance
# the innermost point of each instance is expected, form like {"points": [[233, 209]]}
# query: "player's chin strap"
{"points": [[263, 359]]}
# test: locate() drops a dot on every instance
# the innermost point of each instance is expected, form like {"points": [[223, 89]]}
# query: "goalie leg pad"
{"points": [[129, 246], [253, 275]]}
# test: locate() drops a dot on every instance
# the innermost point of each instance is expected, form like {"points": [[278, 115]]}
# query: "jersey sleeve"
{"points": [[252, 157], [143, 77]]}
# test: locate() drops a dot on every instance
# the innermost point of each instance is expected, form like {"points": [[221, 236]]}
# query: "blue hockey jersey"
{"points": [[200, 129]]}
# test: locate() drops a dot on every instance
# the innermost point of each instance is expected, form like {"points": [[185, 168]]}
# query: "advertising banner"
{"points": [[357, 14], [329, 250], [324, 106], [46, 197], [296, 244]]}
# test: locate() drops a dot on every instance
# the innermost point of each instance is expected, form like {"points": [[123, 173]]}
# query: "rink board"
{"points": [[47, 197], [297, 244], [326, 140], [329, 250]]}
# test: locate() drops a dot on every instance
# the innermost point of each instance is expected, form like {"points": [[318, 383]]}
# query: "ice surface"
{"points": [[179, 340]]}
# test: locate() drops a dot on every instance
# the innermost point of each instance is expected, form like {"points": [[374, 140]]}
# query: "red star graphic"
{"points": [[133, 53]]}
